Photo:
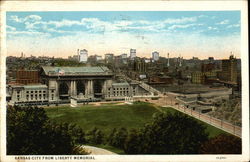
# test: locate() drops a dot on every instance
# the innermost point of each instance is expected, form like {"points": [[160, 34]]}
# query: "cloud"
{"points": [[10, 28], [223, 22], [233, 26], [182, 20], [27, 18], [27, 33], [183, 26], [212, 28], [34, 22]]}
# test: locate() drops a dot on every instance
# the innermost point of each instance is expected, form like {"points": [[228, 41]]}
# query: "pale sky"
{"points": [[187, 33]]}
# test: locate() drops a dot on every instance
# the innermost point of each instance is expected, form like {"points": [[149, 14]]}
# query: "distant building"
{"points": [[98, 58], [160, 80], [27, 76], [124, 56], [195, 58], [207, 67], [109, 57], [229, 70], [211, 59], [83, 55], [197, 78], [74, 58], [132, 54], [155, 56], [139, 65]]}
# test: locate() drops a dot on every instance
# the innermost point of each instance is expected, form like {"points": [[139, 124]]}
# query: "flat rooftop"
{"points": [[78, 71]]}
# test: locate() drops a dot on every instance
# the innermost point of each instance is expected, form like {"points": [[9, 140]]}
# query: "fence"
{"points": [[218, 123]]}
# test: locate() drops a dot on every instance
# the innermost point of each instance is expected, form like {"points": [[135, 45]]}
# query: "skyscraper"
{"points": [[229, 69], [83, 55], [132, 54], [155, 56]]}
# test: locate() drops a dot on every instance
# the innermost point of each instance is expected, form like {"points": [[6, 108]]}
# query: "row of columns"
{"points": [[89, 87]]}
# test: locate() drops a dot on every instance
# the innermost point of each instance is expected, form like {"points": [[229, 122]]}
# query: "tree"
{"points": [[173, 133], [110, 139], [222, 144], [99, 137], [29, 132], [133, 142], [120, 137], [95, 136]]}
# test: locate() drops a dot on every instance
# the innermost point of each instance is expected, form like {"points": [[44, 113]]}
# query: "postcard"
{"points": [[124, 81]]}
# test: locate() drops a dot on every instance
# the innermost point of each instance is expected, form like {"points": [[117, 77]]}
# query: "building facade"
{"points": [[155, 56], [28, 93], [83, 55], [229, 69], [109, 58], [132, 54], [27, 76], [62, 84]]}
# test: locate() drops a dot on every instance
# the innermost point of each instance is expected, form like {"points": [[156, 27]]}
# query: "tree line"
{"points": [[30, 132]]}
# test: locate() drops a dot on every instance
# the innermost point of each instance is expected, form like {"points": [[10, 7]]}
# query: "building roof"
{"points": [[69, 71], [31, 86], [120, 84]]}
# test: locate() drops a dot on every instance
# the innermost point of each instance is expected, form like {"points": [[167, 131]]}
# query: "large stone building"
{"points": [[61, 84], [28, 93], [79, 82]]}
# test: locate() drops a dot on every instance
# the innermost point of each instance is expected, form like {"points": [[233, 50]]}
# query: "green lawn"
{"points": [[109, 116], [104, 117]]}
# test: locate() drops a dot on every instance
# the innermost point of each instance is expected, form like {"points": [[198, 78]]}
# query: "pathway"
{"points": [[97, 151]]}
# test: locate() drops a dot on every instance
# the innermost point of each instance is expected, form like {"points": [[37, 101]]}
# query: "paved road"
{"points": [[98, 151]]}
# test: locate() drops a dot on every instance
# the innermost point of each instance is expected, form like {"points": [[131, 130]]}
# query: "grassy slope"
{"points": [[104, 117], [109, 116], [213, 131]]}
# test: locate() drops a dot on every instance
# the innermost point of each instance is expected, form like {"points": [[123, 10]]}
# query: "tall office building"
{"points": [[155, 56], [124, 56], [83, 55], [109, 57], [132, 54], [229, 69]]}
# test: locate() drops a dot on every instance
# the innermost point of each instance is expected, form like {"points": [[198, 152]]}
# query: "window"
{"points": [[52, 91], [44, 91], [40, 91], [27, 91], [52, 97], [31, 91]]}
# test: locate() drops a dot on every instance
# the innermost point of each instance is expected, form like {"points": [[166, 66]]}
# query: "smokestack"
{"points": [[180, 60], [168, 60]]}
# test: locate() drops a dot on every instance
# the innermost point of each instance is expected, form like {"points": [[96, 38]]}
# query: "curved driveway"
{"points": [[97, 151]]}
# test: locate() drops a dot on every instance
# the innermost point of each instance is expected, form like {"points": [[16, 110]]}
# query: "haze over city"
{"points": [[60, 34]]}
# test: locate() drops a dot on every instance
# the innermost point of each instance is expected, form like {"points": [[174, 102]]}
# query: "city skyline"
{"points": [[187, 33]]}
